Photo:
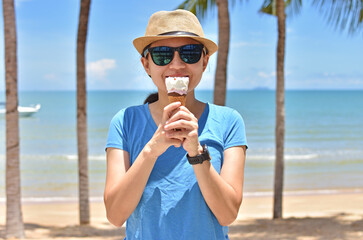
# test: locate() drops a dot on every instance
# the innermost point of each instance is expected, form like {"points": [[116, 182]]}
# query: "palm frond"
{"points": [[268, 7], [233, 2], [199, 7], [343, 15], [292, 7]]}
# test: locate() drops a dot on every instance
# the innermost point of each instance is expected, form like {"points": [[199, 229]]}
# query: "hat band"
{"points": [[178, 33]]}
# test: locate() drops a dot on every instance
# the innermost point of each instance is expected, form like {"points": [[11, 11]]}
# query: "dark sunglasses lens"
{"points": [[191, 53], [162, 55]]}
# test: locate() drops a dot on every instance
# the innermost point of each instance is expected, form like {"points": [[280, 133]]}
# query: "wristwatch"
{"points": [[200, 158]]}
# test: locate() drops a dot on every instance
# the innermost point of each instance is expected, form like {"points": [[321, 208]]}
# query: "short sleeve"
{"points": [[117, 134], [235, 134]]}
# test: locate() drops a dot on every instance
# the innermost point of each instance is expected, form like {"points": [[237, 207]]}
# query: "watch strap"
{"points": [[200, 158]]}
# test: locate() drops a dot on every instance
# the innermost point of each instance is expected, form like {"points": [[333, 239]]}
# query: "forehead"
{"points": [[174, 42]]}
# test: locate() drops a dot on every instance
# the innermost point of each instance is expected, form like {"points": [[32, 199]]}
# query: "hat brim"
{"points": [[141, 42]]}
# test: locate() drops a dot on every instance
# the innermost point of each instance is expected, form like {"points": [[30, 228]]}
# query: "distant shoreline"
{"points": [[2, 92]]}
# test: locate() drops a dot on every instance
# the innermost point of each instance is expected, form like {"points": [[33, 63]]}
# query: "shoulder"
{"points": [[229, 123], [225, 118], [223, 112], [138, 109], [129, 113]]}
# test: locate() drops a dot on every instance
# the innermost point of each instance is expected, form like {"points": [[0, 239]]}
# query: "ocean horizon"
{"points": [[323, 141]]}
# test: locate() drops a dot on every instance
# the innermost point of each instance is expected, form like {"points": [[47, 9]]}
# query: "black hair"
{"points": [[153, 97], [142, 53]]}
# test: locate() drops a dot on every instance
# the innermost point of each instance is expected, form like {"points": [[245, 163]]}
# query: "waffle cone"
{"points": [[179, 98]]}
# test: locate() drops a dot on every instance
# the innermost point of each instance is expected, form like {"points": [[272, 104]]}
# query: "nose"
{"points": [[177, 62]]}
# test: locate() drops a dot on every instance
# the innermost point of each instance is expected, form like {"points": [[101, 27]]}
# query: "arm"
{"points": [[125, 184], [222, 192]]}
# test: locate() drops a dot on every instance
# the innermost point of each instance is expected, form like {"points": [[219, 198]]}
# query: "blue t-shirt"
{"points": [[172, 205]]}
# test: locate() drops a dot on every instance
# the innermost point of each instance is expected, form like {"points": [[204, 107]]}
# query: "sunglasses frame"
{"points": [[150, 50]]}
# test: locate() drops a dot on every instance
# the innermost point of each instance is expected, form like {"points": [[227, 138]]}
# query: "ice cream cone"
{"points": [[175, 97], [177, 88]]}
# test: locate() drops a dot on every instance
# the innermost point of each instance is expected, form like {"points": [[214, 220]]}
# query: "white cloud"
{"points": [[99, 69], [266, 75], [140, 82], [50, 76], [331, 80]]}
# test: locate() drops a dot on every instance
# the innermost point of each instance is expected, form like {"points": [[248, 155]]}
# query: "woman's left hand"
{"points": [[187, 125]]}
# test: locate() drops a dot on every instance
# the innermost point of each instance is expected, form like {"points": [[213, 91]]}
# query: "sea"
{"points": [[323, 141]]}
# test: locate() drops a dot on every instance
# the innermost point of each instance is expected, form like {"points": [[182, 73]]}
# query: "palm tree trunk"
{"points": [[280, 111], [14, 216], [222, 57], [84, 215]]}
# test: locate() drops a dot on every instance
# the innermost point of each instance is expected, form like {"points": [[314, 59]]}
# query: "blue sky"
{"points": [[317, 56]]}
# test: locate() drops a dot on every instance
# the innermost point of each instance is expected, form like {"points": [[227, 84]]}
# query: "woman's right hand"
{"points": [[159, 143], [126, 183]]}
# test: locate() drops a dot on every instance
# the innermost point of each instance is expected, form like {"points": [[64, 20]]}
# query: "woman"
{"points": [[170, 184]]}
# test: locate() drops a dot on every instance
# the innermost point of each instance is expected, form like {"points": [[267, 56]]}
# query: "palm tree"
{"points": [[277, 7], [199, 8], [344, 15], [14, 216], [280, 110], [220, 81], [84, 215]]}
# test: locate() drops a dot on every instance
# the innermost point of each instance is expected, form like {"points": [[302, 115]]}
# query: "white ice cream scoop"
{"points": [[177, 84]]}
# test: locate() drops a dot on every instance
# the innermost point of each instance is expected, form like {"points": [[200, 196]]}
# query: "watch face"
{"points": [[205, 148], [201, 157], [209, 158], [206, 153]]}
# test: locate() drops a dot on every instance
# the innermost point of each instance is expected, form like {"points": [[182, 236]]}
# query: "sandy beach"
{"points": [[306, 217]]}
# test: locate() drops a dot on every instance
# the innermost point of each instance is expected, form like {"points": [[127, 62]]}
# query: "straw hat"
{"points": [[171, 24]]}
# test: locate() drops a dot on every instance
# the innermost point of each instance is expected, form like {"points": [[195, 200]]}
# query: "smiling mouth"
{"points": [[177, 76]]}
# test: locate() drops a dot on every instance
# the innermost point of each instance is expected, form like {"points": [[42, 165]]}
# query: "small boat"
{"points": [[23, 111]]}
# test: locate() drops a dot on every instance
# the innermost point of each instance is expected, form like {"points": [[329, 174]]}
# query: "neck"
{"points": [[195, 106]]}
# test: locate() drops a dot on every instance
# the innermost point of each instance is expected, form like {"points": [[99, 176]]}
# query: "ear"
{"points": [[145, 64], [205, 61]]}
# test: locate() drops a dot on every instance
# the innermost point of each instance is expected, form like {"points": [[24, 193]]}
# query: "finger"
{"points": [[182, 133], [178, 144], [175, 142], [176, 134], [181, 123], [185, 109], [180, 115], [168, 110]]}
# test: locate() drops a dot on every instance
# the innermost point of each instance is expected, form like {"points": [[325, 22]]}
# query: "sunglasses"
{"points": [[163, 55]]}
